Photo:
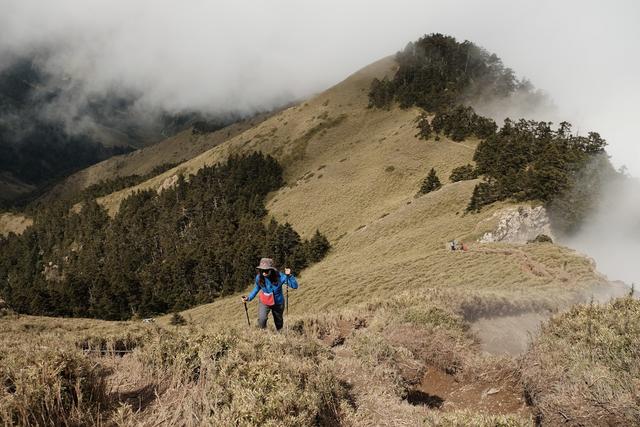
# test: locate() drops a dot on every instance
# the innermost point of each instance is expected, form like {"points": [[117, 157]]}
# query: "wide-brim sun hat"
{"points": [[266, 264]]}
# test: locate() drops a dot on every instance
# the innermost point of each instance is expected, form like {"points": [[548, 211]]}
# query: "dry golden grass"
{"points": [[584, 370], [407, 250], [277, 134], [347, 367], [48, 369], [178, 148], [387, 302], [355, 180], [13, 223]]}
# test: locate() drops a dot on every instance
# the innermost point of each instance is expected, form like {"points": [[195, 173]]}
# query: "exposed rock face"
{"points": [[519, 225]]}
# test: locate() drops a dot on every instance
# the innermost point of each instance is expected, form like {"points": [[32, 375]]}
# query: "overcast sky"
{"points": [[249, 55]]}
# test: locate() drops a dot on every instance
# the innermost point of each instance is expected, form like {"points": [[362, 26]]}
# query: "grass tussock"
{"points": [[584, 370], [354, 367], [249, 378], [384, 348], [50, 387], [117, 343]]}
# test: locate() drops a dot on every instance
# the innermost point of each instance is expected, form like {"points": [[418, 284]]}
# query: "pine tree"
{"points": [[482, 195], [463, 173], [424, 127], [317, 247], [430, 183]]}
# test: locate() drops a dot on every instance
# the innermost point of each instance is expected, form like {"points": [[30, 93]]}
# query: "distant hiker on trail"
{"points": [[268, 284]]}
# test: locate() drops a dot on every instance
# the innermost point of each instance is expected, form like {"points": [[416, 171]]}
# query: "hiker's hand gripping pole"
{"points": [[246, 310]]}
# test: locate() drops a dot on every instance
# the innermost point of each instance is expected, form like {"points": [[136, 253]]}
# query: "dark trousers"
{"points": [[276, 310]]}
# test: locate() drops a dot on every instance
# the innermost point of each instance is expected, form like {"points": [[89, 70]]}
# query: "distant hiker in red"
{"points": [[268, 284]]}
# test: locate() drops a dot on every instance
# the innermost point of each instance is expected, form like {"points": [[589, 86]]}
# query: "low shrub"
{"points": [[583, 369], [50, 387], [541, 238], [243, 379], [177, 319]]}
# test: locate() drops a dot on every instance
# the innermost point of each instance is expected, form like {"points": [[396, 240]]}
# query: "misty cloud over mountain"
{"points": [[611, 233], [247, 56]]}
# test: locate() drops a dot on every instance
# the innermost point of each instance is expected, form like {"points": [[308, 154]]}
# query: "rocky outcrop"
{"points": [[519, 225]]}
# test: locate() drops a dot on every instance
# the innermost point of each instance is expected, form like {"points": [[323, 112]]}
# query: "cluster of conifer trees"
{"points": [[529, 160], [524, 160], [458, 123], [438, 72], [187, 245]]}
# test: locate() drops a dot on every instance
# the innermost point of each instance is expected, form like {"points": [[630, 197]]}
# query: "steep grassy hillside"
{"points": [[353, 173], [183, 146], [13, 223], [379, 332]]}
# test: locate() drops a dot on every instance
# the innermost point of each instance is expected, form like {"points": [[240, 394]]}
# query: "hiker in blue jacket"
{"points": [[268, 285]]}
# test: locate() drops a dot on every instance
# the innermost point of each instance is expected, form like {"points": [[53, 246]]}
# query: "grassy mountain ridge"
{"points": [[355, 180], [178, 148], [385, 317], [175, 149]]}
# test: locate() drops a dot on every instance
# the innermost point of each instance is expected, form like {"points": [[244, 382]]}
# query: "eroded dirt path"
{"points": [[443, 391]]}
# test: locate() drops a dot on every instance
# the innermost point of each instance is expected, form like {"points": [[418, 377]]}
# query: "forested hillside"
{"points": [[189, 244], [524, 160]]}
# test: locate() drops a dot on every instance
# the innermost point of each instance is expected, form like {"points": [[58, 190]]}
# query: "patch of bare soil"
{"points": [[337, 335], [439, 390]]}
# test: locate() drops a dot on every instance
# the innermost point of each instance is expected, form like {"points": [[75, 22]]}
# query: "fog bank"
{"points": [[611, 234], [251, 55]]}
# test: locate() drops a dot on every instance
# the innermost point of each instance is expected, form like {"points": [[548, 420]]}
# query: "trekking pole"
{"points": [[246, 311], [287, 297]]}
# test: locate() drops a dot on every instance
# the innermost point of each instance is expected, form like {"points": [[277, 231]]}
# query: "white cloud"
{"points": [[248, 55], [611, 234]]}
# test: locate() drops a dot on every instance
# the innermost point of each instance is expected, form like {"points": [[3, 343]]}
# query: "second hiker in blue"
{"points": [[268, 285]]}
